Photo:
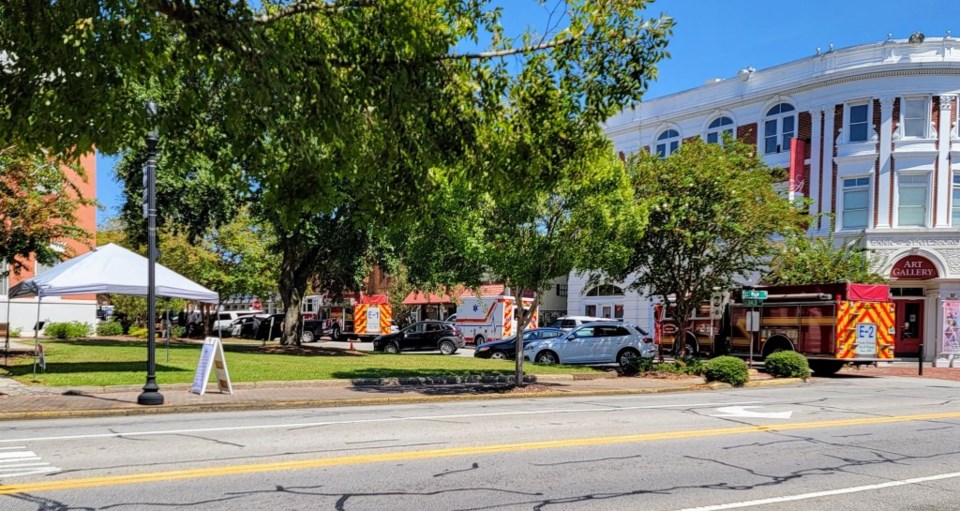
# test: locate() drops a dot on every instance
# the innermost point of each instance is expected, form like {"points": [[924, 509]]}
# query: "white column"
{"points": [[815, 163], [944, 179], [882, 207], [827, 165]]}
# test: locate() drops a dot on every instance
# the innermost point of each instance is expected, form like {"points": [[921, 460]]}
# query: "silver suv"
{"points": [[593, 343]]}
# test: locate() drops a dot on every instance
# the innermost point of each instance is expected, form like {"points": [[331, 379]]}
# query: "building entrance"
{"points": [[909, 334]]}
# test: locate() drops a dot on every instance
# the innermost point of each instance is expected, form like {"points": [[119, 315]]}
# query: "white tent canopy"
{"points": [[111, 269]]}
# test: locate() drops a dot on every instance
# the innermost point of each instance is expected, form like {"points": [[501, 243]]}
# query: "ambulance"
{"points": [[491, 318]]}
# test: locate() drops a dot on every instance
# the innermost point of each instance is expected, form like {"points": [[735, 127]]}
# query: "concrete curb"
{"points": [[329, 403]]}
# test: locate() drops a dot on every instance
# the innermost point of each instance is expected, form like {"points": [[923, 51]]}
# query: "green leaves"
{"points": [[803, 260]]}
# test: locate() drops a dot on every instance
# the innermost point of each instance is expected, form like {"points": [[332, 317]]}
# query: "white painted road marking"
{"points": [[742, 411], [827, 493], [22, 463], [368, 421]]}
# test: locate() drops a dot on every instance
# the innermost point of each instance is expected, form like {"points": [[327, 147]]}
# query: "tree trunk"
{"points": [[522, 320], [294, 272]]}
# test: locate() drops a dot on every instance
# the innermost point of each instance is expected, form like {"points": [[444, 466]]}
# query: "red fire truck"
{"points": [[831, 324]]}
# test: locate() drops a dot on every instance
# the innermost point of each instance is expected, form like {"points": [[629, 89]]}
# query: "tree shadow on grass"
{"points": [[90, 367]]}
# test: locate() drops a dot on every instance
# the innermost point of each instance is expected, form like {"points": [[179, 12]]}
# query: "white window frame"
{"points": [[721, 129], [867, 187], [4, 279], [926, 205], [848, 121], [955, 197], [926, 117], [779, 133], [667, 142]]}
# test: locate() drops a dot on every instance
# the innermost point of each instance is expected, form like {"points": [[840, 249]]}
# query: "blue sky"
{"points": [[713, 39]]}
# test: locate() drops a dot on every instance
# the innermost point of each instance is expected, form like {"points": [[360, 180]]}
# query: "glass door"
{"points": [[909, 335]]}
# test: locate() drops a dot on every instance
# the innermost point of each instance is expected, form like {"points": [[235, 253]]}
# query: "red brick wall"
{"points": [[805, 133], [837, 125], [893, 161], [876, 165]]}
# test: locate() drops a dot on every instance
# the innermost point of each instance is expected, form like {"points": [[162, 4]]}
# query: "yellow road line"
{"points": [[450, 452]]}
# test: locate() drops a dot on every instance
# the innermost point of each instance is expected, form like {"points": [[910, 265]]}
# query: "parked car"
{"points": [[422, 336], [593, 343], [264, 330], [223, 321], [505, 349], [570, 322], [245, 327]]}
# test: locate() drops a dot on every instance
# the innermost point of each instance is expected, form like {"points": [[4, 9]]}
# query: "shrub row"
{"points": [[68, 330], [726, 369], [109, 328], [787, 364]]}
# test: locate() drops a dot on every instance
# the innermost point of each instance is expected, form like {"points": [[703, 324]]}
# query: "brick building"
{"points": [[881, 153], [23, 311]]}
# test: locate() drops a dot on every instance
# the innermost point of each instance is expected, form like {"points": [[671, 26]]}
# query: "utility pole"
{"points": [[151, 391]]}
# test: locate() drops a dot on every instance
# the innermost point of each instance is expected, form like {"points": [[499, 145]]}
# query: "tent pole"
{"points": [[36, 336]]}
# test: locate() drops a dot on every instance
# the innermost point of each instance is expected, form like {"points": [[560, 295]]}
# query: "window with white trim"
{"points": [[956, 200], [858, 122], [779, 126], [717, 128], [668, 142], [914, 117], [912, 200], [856, 203]]}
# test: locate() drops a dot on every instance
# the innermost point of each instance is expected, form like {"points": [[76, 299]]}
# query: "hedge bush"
{"points": [[635, 366], [138, 331], [179, 331], [109, 328], [71, 330], [787, 364], [725, 369], [686, 365]]}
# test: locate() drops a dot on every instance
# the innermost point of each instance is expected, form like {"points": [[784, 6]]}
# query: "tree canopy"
{"points": [[38, 205], [713, 215], [800, 259]]}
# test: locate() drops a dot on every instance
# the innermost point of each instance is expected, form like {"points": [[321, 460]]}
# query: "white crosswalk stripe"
{"points": [[17, 462]]}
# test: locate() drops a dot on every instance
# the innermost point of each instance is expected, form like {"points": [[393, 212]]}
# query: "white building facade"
{"points": [[881, 154]]}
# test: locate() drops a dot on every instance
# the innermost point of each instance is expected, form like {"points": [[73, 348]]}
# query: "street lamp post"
{"points": [[151, 391]]}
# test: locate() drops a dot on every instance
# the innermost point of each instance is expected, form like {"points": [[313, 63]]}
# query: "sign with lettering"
{"points": [[866, 339], [914, 267], [211, 357]]}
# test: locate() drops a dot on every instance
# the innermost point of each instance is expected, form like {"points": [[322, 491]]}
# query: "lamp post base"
{"points": [[150, 396]]}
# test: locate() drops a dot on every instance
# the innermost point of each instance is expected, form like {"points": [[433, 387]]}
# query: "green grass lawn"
{"points": [[116, 362]]}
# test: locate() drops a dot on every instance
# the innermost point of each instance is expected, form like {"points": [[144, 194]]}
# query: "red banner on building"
{"points": [[798, 149]]}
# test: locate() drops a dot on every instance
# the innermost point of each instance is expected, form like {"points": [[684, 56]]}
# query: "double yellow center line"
{"points": [[153, 477]]}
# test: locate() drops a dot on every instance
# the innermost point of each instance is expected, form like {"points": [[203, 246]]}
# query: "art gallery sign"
{"points": [[914, 267]]}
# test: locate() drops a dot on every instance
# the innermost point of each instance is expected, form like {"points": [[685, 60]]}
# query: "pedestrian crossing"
{"points": [[18, 461]]}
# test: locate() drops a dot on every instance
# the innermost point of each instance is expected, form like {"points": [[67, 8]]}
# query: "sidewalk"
{"points": [[28, 402]]}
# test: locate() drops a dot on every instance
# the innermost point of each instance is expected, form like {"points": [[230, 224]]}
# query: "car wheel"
{"points": [[448, 348], [626, 356], [547, 358], [825, 368], [335, 333], [391, 348], [307, 336], [498, 355], [478, 340]]}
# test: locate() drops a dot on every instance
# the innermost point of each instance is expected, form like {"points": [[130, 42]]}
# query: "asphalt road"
{"points": [[844, 443]]}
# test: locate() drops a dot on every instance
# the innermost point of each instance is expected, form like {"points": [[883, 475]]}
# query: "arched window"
{"points": [[717, 128], [779, 126], [667, 143], [605, 290]]}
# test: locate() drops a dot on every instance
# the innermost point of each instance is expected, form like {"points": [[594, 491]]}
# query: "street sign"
{"points": [[754, 294], [750, 302]]}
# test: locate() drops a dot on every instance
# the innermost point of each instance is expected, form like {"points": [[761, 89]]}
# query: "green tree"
{"points": [[38, 205], [800, 259], [714, 211], [343, 114]]}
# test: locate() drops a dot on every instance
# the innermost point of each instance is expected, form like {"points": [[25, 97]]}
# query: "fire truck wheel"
{"points": [[391, 348], [547, 358], [478, 340], [307, 336], [448, 348], [689, 348], [498, 355], [335, 333], [825, 368]]}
